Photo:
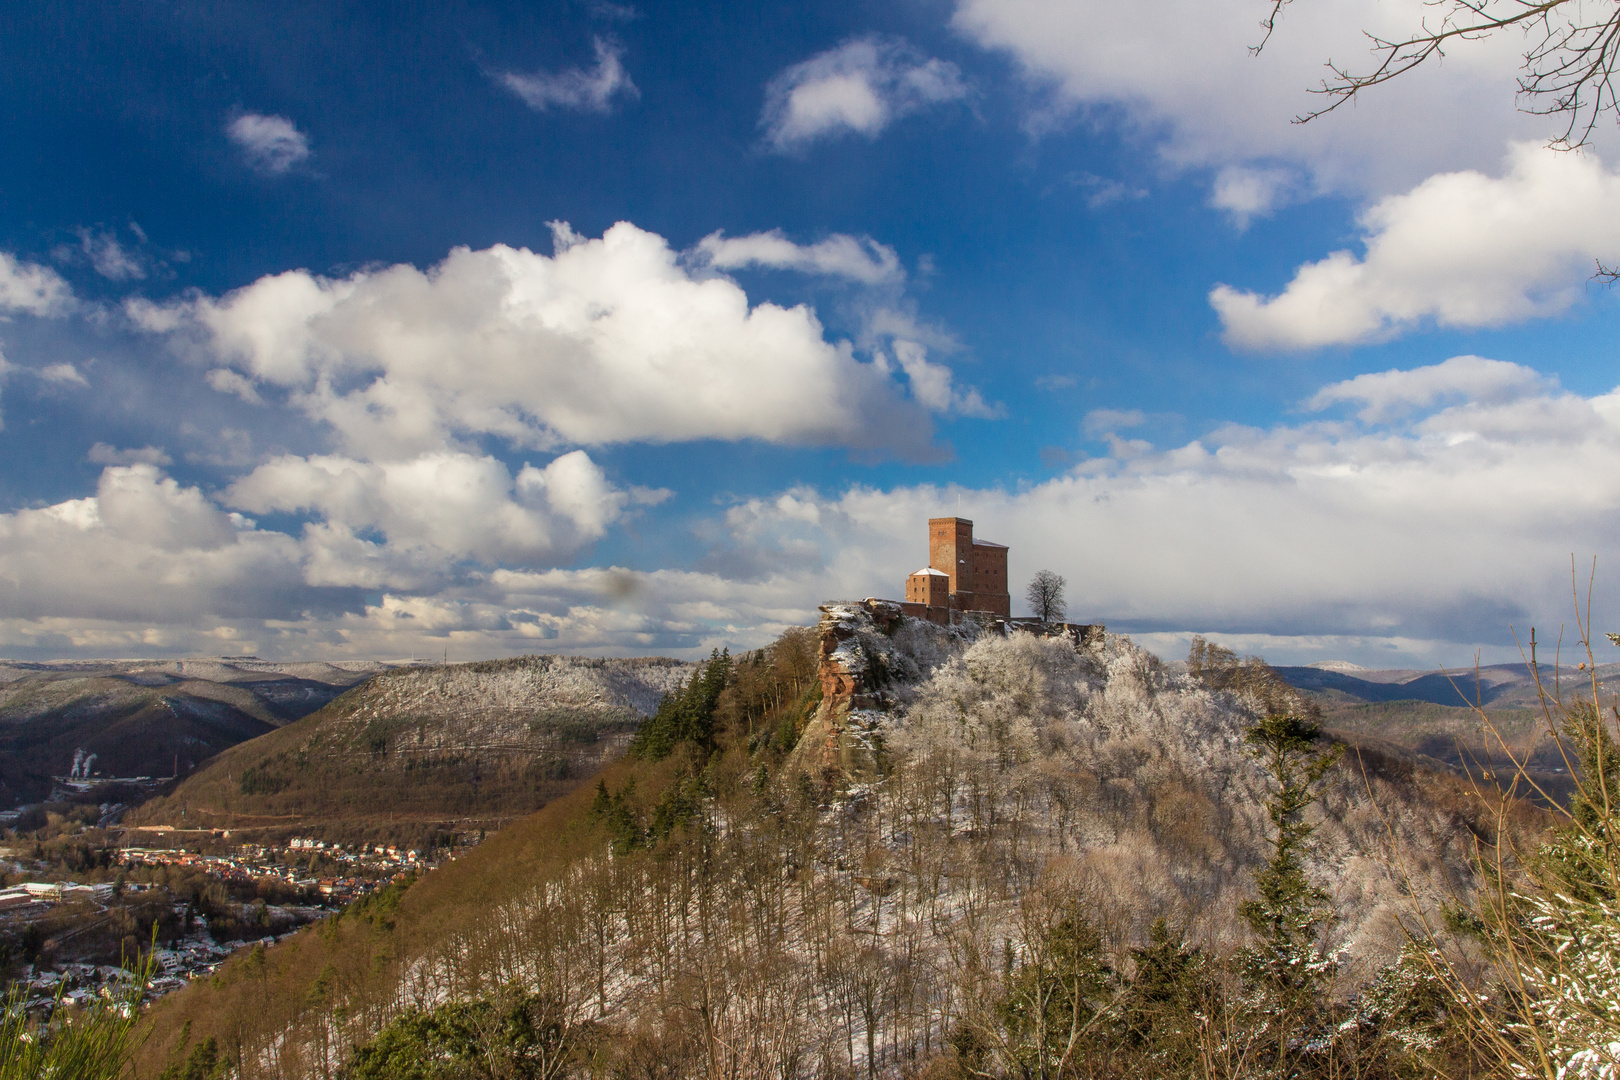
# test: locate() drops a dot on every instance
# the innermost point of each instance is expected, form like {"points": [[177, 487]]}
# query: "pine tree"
{"points": [[1290, 913], [1286, 972], [687, 714]]}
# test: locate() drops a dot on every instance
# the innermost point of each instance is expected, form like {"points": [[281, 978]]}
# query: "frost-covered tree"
{"points": [[1561, 933], [1548, 920]]}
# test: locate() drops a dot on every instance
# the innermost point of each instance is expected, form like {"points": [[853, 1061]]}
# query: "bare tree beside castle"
{"points": [[1045, 596]]}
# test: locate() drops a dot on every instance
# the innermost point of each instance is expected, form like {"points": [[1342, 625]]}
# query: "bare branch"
{"points": [[1568, 69], [1269, 24]]}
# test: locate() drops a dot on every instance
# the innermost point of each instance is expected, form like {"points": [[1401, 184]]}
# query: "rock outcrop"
{"points": [[873, 655]]}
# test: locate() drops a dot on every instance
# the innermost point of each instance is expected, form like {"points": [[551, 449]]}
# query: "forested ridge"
{"points": [[1067, 863], [411, 751]]}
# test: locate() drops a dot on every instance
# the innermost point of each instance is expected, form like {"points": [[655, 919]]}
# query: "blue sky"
{"points": [[380, 330]]}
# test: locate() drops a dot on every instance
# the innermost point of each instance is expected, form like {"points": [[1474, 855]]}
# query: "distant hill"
{"points": [[148, 717], [1500, 685], [477, 743], [1432, 714]]}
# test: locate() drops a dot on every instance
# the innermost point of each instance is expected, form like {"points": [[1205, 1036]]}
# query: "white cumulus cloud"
{"points": [[143, 551], [1461, 249], [860, 259], [1388, 394], [442, 505], [30, 289], [576, 88], [1246, 193], [860, 86], [608, 341], [271, 144]]}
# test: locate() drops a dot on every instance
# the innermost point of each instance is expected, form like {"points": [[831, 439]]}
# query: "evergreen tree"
{"points": [[1290, 913], [618, 813], [1583, 858], [1285, 973], [1056, 1000], [1165, 997], [516, 1036], [687, 714]]}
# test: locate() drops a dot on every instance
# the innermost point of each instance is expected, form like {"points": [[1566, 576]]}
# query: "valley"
{"points": [[1488, 725], [157, 719]]}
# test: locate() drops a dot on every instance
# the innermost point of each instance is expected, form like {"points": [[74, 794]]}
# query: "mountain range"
{"points": [[154, 718]]}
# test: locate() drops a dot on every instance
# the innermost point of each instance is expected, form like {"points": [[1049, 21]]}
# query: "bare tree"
{"points": [[1045, 596]]}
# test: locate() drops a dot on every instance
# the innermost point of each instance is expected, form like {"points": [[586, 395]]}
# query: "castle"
{"points": [[962, 575]]}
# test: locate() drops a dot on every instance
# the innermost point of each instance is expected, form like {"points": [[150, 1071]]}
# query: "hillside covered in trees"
{"points": [[893, 849], [156, 718], [479, 744]]}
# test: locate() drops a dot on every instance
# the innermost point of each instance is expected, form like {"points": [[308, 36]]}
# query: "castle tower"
{"points": [[950, 551], [963, 574]]}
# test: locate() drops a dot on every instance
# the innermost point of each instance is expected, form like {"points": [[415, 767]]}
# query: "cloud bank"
{"points": [[1443, 507]]}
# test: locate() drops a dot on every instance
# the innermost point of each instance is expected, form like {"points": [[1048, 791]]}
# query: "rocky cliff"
{"points": [[873, 657]]}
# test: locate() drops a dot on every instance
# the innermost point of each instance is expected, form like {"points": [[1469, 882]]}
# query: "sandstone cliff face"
{"points": [[864, 672], [873, 656]]}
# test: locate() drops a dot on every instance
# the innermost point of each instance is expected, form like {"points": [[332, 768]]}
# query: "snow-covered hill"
{"points": [[487, 741]]}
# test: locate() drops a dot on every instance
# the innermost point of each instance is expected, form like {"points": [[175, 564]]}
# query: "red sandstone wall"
{"points": [[990, 579], [950, 550], [976, 573]]}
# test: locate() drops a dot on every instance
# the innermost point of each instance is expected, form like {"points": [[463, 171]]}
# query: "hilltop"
{"points": [[469, 745], [846, 874], [157, 718]]}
